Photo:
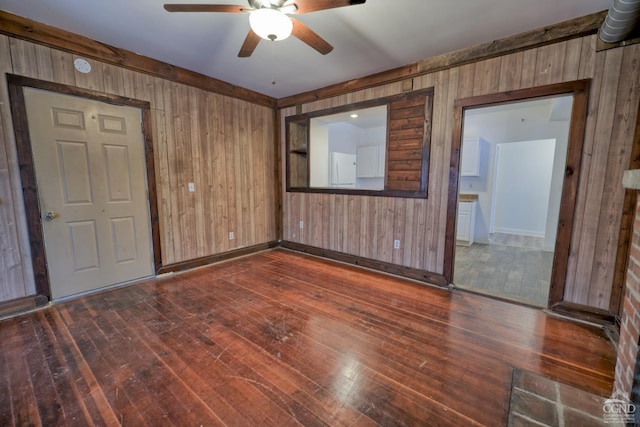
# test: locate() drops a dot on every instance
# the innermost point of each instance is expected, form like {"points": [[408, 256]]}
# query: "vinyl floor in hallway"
{"points": [[516, 273]]}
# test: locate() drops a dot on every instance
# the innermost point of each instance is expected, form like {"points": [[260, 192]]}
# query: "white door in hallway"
{"points": [[91, 178]]}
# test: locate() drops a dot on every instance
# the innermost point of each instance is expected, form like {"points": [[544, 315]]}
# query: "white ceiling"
{"points": [[520, 121], [377, 36]]}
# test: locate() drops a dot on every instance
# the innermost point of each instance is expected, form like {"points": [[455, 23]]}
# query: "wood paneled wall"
{"points": [[366, 226], [225, 146]]}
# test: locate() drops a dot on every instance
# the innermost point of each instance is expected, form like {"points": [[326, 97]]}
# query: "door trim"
{"points": [[27, 171], [580, 91]]}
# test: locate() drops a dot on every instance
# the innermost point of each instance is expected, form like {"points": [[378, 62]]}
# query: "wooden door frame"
{"points": [[27, 170], [580, 91]]}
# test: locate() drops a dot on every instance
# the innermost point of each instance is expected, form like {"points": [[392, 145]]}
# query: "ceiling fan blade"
{"points": [[307, 6], [249, 44], [231, 8], [307, 35]]}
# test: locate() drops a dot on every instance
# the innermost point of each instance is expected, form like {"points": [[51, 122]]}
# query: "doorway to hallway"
{"points": [[513, 191]]}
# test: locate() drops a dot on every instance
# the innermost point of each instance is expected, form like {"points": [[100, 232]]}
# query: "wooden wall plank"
{"points": [[438, 170], [622, 133], [572, 287], [62, 63], [528, 68], [487, 76], [162, 179], [15, 279], [207, 176], [12, 283], [355, 218], [23, 58], [571, 66], [407, 233], [587, 57], [549, 64], [385, 229], [510, 71], [113, 80], [217, 177], [444, 185], [596, 179], [364, 236], [44, 62], [399, 210], [197, 118]]}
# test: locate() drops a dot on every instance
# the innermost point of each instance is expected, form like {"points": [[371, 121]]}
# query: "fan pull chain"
{"points": [[273, 63]]}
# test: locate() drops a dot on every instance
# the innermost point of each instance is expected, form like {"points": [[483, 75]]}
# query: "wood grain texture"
{"points": [[12, 280], [279, 338], [409, 136], [195, 137], [608, 139]]}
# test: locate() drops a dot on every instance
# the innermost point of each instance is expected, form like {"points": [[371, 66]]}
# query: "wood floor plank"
{"points": [[280, 338], [21, 348]]}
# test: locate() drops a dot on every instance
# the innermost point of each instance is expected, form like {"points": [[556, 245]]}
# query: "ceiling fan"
{"points": [[269, 20]]}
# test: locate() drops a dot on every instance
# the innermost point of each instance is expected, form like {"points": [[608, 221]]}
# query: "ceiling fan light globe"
{"points": [[270, 24]]}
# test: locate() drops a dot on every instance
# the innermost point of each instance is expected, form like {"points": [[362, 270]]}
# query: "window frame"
{"points": [[304, 119]]}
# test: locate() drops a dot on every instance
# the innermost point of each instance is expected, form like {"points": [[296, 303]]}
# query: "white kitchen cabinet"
{"points": [[470, 157], [465, 228], [368, 161]]}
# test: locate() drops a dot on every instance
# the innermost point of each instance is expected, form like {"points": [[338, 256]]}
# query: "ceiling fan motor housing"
{"points": [[266, 4]]}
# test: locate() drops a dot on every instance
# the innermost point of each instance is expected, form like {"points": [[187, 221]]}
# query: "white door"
{"points": [[91, 177]]}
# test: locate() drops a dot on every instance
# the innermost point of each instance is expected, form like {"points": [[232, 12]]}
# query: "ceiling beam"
{"points": [[26, 29], [554, 33]]}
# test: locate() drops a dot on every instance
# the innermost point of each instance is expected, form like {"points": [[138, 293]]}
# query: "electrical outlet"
{"points": [[231, 235], [396, 244], [301, 225], [192, 187]]}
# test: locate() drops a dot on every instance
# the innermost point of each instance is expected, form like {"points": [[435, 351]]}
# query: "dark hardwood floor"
{"points": [[280, 338]]}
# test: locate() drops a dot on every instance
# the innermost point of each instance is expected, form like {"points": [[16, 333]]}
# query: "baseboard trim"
{"points": [[518, 232], [21, 305], [385, 267], [584, 312], [211, 259]]}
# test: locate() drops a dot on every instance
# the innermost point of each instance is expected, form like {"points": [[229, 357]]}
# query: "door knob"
{"points": [[51, 215]]}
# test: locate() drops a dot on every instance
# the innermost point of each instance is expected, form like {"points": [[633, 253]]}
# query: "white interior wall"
{"points": [[344, 138], [523, 183], [319, 156]]}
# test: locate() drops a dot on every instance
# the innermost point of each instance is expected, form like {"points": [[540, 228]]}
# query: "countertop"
{"points": [[468, 197]]}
